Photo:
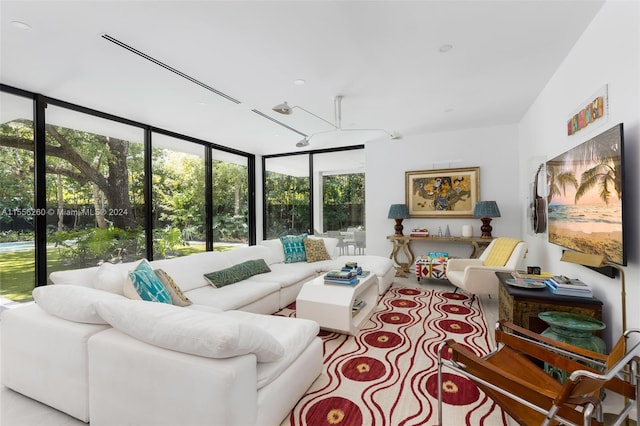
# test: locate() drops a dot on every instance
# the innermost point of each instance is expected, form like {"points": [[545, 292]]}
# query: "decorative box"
{"points": [[432, 267]]}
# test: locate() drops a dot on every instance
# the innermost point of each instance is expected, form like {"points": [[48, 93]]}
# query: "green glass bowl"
{"points": [[570, 321]]}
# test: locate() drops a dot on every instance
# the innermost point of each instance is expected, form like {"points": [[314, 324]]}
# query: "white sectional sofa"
{"points": [[87, 350]]}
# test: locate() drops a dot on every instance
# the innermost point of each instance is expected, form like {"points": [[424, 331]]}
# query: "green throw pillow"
{"points": [[147, 284], [238, 272], [316, 250], [293, 246]]}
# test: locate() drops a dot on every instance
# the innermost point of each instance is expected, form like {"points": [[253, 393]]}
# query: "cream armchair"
{"points": [[477, 276]]}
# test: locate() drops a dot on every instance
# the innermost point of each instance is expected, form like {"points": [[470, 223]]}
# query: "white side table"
{"points": [[330, 305]]}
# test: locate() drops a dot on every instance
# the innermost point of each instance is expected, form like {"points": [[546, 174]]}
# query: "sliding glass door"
{"points": [[230, 177], [17, 207], [178, 194], [94, 190], [287, 195]]}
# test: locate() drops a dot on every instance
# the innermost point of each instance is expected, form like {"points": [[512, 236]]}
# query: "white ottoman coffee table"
{"points": [[331, 305]]}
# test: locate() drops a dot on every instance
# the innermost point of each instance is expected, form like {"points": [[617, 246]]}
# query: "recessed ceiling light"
{"points": [[21, 25], [299, 82], [445, 48]]}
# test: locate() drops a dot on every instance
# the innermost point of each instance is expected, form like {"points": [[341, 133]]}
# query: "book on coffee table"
{"points": [[351, 282]]}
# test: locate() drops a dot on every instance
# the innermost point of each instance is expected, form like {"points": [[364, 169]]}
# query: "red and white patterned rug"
{"points": [[387, 374]]}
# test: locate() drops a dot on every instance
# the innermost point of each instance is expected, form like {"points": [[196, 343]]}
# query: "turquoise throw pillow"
{"points": [[238, 272], [293, 246], [147, 284]]}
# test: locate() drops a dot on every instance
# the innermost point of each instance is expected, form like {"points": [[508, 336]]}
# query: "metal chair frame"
{"points": [[622, 377]]}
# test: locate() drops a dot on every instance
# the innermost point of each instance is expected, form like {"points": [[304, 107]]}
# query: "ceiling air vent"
{"points": [[167, 67]]}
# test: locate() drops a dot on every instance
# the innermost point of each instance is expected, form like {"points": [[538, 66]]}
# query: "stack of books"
{"points": [[419, 232], [352, 266], [563, 286], [341, 277]]}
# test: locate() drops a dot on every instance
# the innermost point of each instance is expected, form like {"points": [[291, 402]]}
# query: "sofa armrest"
{"points": [[45, 358], [484, 272], [132, 382], [461, 264]]}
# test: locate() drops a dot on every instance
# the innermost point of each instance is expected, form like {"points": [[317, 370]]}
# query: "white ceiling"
{"points": [[381, 56]]}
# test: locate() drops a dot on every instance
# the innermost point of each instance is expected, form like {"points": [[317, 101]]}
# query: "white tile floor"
{"points": [[18, 410]]}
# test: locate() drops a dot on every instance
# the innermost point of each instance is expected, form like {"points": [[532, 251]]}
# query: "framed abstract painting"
{"points": [[442, 192]]}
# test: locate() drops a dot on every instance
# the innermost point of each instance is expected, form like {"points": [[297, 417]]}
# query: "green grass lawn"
{"points": [[17, 277]]}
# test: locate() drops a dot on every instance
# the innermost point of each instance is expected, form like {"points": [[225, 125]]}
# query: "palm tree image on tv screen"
{"points": [[585, 196]]}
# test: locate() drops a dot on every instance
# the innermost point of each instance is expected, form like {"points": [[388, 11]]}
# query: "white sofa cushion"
{"points": [[82, 277], [188, 271], [111, 278], [72, 302], [234, 296], [277, 251], [294, 334], [205, 334], [242, 254], [287, 274]]}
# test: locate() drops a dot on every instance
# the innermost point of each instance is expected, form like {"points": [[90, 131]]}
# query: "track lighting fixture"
{"points": [[282, 108], [285, 109], [304, 142]]}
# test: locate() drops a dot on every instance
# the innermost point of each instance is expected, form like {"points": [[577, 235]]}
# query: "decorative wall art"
{"points": [[442, 192], [595, 109]]}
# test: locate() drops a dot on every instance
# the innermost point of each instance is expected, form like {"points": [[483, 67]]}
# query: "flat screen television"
{"points": [[585, 197]]}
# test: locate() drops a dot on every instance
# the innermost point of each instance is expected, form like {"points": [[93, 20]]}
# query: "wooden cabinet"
{"points": [[522, 306]]}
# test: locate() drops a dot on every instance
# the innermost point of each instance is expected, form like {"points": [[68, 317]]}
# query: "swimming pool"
{"points": [[17, 246]]}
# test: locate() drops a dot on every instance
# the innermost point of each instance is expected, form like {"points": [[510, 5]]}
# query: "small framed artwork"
{"points": [[442, 192], [592, 112]]}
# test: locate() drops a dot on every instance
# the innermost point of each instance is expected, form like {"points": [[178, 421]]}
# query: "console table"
{"points": [[521, 306], [402, 243]]}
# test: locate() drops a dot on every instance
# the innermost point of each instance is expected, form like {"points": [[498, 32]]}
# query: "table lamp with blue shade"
{"points": [[398, 212], [486, 210]]}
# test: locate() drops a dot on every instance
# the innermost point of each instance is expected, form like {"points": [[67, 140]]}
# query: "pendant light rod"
{"points": [[337, 104]]}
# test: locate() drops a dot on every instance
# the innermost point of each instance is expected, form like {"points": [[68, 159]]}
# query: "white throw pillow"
{"points": [[72, 302], [110, 278], [205, 334]]}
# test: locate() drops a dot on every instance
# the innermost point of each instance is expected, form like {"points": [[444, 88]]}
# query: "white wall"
{"points": [[493, 149], [607, 53], [508, 156]]}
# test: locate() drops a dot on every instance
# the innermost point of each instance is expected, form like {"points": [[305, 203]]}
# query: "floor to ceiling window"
{"points": [[339, 178], [17, 238], [287, 196], [73, 192], [178, 193], [94, 190], [230, 177], [320, 192]]}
